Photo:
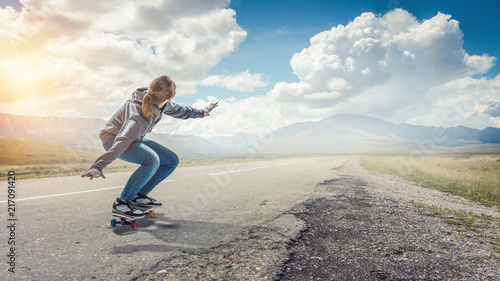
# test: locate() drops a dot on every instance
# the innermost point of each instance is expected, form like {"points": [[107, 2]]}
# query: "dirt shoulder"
{"points": [[357, 226]]}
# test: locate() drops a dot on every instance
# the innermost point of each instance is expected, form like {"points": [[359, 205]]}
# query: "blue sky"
{"points": [[269, 63]]}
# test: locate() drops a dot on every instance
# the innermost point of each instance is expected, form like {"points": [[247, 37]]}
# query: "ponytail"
{"points": [[147, 105], [159, 90]]}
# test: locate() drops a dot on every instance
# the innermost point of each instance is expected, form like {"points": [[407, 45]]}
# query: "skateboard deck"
{"points": [[124, 219]]}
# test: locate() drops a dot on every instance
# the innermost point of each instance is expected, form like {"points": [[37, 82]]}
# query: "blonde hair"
{"points": [[159, 90]]}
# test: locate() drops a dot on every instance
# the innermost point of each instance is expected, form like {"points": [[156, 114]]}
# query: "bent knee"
{"points": [[152, 161], [176, 159]]}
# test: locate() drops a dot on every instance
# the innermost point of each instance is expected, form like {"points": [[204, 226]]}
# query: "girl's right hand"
{"points": [[93, 173]]}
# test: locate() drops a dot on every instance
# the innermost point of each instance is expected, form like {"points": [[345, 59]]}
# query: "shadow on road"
{"points": [[180, 235]]}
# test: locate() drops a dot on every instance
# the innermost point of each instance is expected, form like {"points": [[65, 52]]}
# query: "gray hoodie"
{"points": [[129, 124]]}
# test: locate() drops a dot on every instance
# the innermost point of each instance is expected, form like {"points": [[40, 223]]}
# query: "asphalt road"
{"points": [[63, 231]]}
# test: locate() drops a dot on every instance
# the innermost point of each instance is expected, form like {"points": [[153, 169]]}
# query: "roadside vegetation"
{"points": [[37, 159], [486, 228], [474, 176], [58, 170]]}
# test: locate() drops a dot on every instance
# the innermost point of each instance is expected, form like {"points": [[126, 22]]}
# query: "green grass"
{"points": [[484, 227], [465, 221], [38, 159], [59, 170], [27, 152], [473, 176]]}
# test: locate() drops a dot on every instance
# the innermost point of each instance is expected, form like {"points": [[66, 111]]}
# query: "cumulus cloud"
{"points": [[466, 101], [242, 81], [493, 109], [250, 115], [385, 67], [85, 54]]}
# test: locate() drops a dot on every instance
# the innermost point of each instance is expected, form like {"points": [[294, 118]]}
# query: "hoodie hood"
{"points": [[139, 94]]}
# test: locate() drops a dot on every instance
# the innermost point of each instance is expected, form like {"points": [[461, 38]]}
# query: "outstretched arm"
{"points": [[182, 112]]}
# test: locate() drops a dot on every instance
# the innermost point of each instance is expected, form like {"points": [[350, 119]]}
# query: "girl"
{"points": [[123, 137]]}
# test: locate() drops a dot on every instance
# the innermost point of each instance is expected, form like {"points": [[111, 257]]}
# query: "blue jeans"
{"points": [[157, 163]]}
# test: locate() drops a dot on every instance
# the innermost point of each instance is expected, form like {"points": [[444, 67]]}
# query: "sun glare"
{"points": [[20, 70], [19, 79]]}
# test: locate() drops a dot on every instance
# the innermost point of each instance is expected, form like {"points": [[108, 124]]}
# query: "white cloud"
{"points": [[97, 52], [251, 115], [383, 66], [467, 101], [242, 81], [338, 84]]}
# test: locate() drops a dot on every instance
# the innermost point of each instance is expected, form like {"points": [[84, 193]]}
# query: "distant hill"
{"points": [[189, 147], [345, 133], [234, 143], [28, 152], [80, 133]]}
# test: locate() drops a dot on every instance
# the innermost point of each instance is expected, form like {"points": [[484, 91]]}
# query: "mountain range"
{"points": [[347, 133], [80, 133], [342, 133]]}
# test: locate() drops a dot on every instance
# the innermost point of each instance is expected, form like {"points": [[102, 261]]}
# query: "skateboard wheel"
{"points": [[113, 222], [151, 213], [133, 224]]}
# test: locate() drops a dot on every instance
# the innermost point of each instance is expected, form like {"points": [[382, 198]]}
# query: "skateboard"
{"points": [[124, 219]]}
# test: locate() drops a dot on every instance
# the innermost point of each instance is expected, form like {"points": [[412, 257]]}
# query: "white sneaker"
{"points": [[126, 208], [142, 200]]}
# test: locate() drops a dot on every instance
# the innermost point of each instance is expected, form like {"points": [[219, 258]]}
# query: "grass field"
{"points": [[27, 152], [474, 176], [35, 159], [58, 170]]}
